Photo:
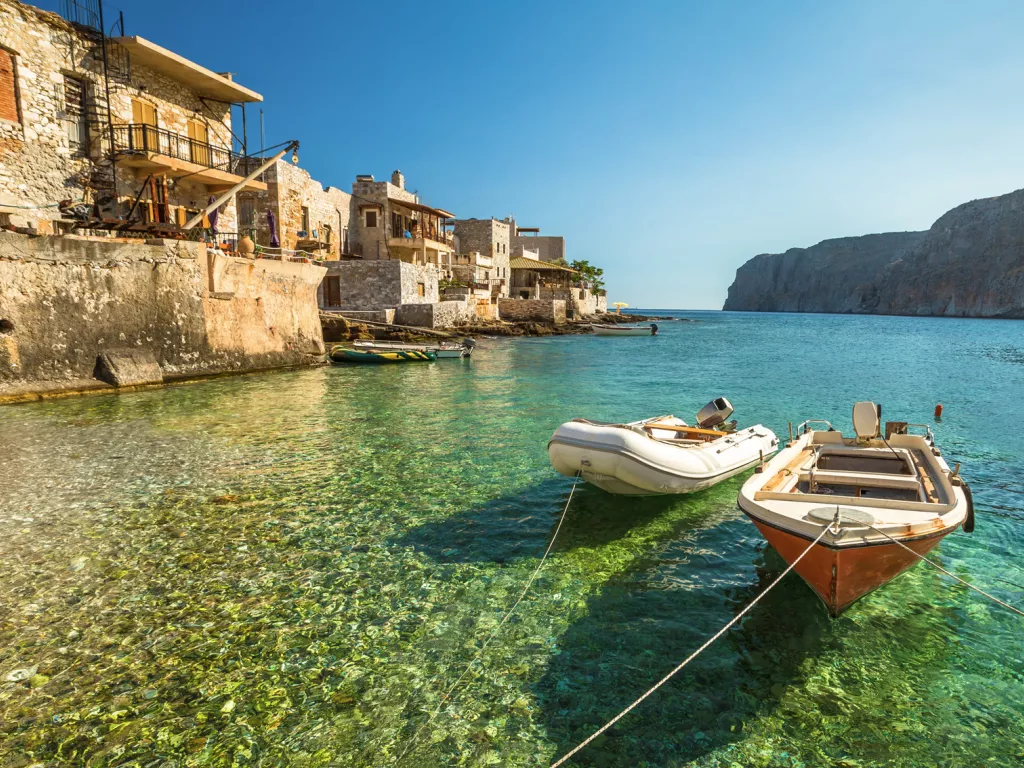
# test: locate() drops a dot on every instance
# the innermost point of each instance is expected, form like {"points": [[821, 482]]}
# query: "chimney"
{"points": [[398, 179]]}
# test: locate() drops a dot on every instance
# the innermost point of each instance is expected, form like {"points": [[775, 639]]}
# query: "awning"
{"points": [[521, 262], [204, 81], [422, 208]]}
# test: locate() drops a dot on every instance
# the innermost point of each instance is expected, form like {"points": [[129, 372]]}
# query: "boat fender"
{"points": [[969, 520]]}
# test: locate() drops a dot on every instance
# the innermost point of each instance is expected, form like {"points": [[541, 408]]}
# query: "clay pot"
{"points": [[246, 247]]}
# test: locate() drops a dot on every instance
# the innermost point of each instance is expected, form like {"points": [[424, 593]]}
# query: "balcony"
{"points": [[440, 242], [157, 150]]}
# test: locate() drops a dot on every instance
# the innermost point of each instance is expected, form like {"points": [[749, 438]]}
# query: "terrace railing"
{"points": [[136, 137]]}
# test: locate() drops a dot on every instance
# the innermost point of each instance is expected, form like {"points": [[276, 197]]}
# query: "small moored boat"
{"points": [[662, 455], [873, 492], [349, 355], [601, 329], [445, 349]]}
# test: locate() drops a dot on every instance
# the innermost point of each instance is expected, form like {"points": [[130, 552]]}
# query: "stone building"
{"points": [[308, 217], [150, 126], [490, 240], [541, 281], [547, 247], [392, 223]]}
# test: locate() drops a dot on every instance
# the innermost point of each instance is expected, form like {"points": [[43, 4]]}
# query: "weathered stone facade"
{"points": [[373, 284], [37, 164], [441, 314], [64, 301], [310, 217], [489, 238], [540, 310], [547, 247], [392, 223], [59, 145]]}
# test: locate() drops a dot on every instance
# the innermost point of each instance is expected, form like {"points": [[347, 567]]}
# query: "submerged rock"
{"points": [[18, 675]]}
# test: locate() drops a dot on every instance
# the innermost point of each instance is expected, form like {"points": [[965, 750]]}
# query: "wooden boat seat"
{"points": [[862, 479], [687, 432]]}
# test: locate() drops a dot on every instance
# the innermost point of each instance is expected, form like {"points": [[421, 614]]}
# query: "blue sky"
{"points": [[668, 142]]}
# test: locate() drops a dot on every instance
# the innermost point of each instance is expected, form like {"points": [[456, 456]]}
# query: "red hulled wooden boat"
{"points": [[873, 493]]}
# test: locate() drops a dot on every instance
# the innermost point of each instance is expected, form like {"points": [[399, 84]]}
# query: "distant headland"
{"points": [[969, 264]]}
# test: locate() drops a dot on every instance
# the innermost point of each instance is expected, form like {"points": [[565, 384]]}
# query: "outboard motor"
{"points": [[714, 413], [654, 329], [468, 343]]}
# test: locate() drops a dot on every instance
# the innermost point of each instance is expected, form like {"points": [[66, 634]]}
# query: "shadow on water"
{"points": [[520, 524], [648, 620]]}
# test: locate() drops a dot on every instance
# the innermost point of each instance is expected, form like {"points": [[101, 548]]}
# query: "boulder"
{"points": [[128, 367]]}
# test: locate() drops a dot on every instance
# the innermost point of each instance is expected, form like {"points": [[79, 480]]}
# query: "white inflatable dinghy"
{"points": [[661, 455]]}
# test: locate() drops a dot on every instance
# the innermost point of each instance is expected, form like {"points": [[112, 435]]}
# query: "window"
{"points": [[371, 219], [421, 289], [199, 142], [74, 115], [246, 211], [305, 220], [8, 88]]}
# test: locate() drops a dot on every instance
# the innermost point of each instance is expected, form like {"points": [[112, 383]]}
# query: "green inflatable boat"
{"points": [[348, 355]]}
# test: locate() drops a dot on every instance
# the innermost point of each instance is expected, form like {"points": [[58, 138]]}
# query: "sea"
{"points": [[310, 568]]}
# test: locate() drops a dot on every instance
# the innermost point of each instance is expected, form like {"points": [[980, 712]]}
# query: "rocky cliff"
{"points": [[969, 264]]}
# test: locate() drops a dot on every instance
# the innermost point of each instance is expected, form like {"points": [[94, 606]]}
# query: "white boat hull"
{"points": [[623, 460], [622, 330]]}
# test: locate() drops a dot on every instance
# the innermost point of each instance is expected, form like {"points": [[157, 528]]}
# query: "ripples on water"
{"points": [[291, 569]]}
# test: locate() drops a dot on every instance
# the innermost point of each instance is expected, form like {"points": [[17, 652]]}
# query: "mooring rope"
{"points": [[939, 567], [413, 744], [689, 658]]}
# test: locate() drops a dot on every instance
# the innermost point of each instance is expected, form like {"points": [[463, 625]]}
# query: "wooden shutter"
{"points": [[199, 142], [8, 89]]}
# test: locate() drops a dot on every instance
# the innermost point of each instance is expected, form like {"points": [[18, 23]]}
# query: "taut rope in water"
{"points": [[413, 744], [689, 658], [939, 567]]}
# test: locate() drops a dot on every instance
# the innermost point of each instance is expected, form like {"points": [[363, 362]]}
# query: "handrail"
{"points": [[140, 137], [803, 427]]}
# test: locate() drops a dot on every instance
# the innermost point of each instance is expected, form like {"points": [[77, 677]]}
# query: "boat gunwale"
{"points": [[849, 543]]}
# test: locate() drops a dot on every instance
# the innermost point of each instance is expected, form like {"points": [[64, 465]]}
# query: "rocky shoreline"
{"points": [[338, 329]]}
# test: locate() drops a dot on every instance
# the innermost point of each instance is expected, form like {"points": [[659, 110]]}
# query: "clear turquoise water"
{"points": [[291, 569]]}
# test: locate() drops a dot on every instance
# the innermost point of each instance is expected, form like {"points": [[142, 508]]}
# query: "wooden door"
{"points": [[332, 294], [199, 142]]}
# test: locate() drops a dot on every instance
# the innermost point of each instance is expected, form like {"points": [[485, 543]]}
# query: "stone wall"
{"points": [[441, 314], [539, 310], [64, 301], [548, 247], [37, 165], [369, 285]]}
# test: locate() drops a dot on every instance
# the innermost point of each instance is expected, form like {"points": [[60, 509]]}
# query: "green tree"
{"points": [[590, 273]]}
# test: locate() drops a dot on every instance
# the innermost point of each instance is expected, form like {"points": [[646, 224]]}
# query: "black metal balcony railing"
{"points": [[136, 137]]}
